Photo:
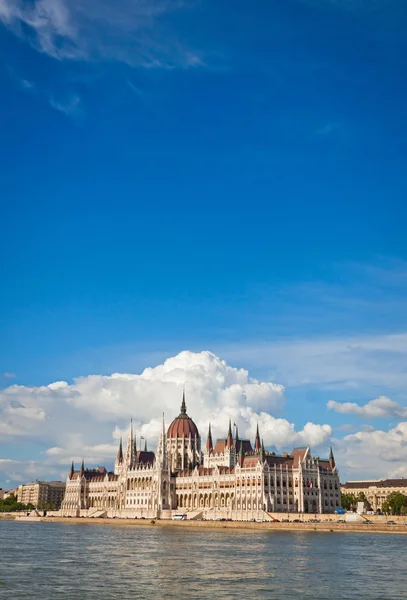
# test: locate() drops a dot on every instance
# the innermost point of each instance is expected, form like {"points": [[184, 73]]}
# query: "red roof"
{"points": [[298, 456], [182, 426], [145, 457]]}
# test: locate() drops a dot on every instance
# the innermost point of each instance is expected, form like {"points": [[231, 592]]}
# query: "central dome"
{"points": [[182, 426]]}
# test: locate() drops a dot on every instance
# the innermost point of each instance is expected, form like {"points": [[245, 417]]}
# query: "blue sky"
{"points": [[206, 176]]}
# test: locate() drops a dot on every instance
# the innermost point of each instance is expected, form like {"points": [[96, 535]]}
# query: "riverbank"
{"points": [[233, 525]]}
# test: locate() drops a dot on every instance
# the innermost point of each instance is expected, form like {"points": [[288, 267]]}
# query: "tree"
{"points": [[396, 503], [348, 501]]}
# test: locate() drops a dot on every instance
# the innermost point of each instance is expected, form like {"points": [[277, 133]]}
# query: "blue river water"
{"points": [[48, 561]]}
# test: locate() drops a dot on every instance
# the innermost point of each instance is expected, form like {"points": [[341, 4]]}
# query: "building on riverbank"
{"points": [[376, 491], [228, 479], [42, 494]]}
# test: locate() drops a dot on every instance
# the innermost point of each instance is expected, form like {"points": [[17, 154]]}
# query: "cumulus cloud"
{"points": [[132, 32], [86, 418], [373, 453], [380, 407]]}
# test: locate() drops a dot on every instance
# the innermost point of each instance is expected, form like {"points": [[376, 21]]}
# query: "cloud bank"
{"points": [[86, 418]]}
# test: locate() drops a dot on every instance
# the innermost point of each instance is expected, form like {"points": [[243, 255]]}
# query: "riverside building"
{"points": [[228, 479], [376, 491], [42, 494]]}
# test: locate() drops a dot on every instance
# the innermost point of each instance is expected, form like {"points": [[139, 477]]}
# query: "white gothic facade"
{"points": [[228, 479]]}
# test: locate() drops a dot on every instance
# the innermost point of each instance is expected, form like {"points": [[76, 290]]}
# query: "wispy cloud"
{"points": [[364, 362], [133, 32], [70, 107], [8, 375]]}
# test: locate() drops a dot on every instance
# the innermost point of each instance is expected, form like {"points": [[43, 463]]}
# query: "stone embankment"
{"points": [[330, 527]]}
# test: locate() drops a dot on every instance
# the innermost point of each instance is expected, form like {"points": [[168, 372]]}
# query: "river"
{"points": [[48, 561]]}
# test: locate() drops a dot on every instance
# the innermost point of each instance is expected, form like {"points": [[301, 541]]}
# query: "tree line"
{"points": [[11, 504]]}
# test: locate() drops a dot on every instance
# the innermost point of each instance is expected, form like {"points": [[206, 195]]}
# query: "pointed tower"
{"points": [[120, 452], [161, 448], [82, 471], [237, 439], [241, 455], [229, 441], [183, 404], [209, 443], [331, 459], [262, 452], [130, 457], [257, 444], [72, 471]]}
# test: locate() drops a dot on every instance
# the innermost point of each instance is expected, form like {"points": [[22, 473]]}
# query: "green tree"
{"points": [[348, 501], [397, 503]]}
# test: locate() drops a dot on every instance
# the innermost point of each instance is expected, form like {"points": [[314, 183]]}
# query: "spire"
{"points": [[209, 444], [161, 450], [331, 459], [236, 437], [130, 455], [145, 445], [72, 471], [183, 405], [241, 455], [257, 440], [120, 452], [262, 451], [229, 441], [82, 471]]}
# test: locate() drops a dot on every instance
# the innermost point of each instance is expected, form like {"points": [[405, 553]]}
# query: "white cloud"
{"points": [[373, 453], [380, 407], [130, 32], [86, 418]]}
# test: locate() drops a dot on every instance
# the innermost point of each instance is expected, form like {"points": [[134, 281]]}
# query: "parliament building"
{"points": [[228, 479]]}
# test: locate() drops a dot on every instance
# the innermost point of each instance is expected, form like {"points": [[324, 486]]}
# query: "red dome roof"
{"points": [[182, 426]]}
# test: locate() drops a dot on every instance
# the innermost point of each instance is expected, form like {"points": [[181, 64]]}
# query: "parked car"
{"points": [[367, 522], [391, 523], [341, 521]]}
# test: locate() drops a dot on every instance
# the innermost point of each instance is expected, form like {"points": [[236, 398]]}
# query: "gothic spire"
{"points": [[241, 455], [120, 452], [236, 437], [130, 455], [183, 405], [262, 451], [72, 471], [331, 459], [209, 444], [82, 471], [257, 440], [145, 445], [229, 441]]}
